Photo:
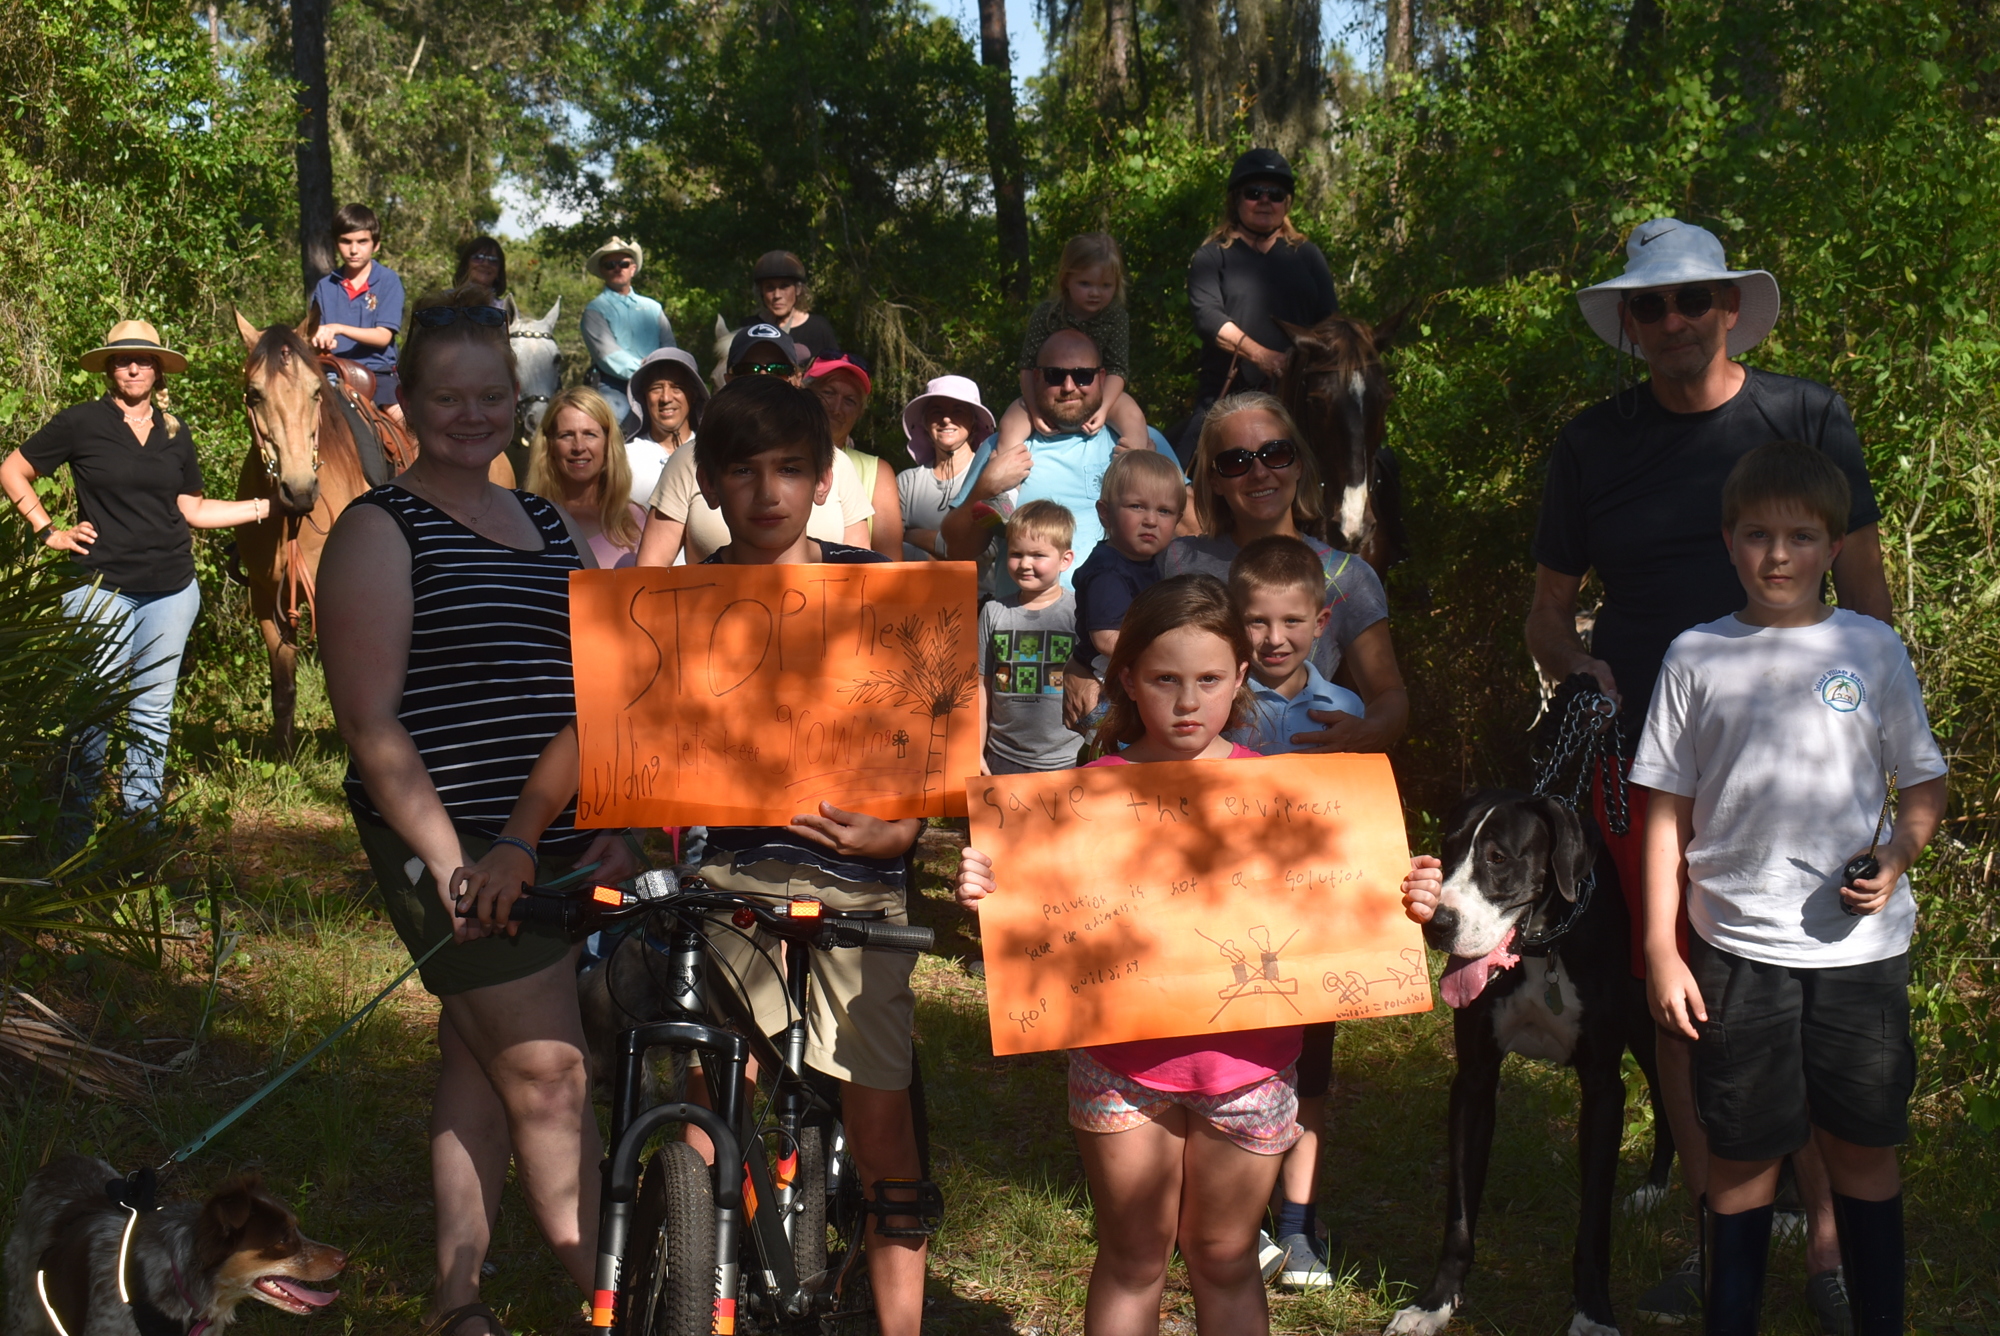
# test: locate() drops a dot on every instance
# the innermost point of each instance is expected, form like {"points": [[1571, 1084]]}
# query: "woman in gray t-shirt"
{"points": [[1263, 500]]}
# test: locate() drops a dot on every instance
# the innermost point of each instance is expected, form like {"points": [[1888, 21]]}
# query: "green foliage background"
{"points": [[1851, 148]]}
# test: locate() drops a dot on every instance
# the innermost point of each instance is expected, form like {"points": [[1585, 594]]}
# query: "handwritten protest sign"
{"points": [[745, 695], [1197, 897]]}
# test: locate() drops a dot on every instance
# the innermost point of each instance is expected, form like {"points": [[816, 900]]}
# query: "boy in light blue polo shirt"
{"points": [[361, 305], [1279, 587]]}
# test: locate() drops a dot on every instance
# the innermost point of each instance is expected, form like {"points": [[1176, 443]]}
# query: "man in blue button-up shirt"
{"points": [[620, 327]]}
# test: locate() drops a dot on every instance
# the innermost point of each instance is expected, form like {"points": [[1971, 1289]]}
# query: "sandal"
{"points": [[447, 1321]]}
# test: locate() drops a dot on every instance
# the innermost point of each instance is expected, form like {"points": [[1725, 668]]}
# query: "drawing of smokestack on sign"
{"points": [[936, 684]]}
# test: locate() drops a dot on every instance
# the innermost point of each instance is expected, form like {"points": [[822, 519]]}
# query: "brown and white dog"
{"points": [[187, 1265]]}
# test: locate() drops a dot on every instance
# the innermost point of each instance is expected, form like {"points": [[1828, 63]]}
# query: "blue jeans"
{"points": [[149, 633]]}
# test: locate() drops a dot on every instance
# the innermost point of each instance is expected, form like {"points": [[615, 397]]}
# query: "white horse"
{"points": [[541, 363], [724, 335]]}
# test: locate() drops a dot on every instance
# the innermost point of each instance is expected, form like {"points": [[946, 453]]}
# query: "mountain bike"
{"points": [[689, 1248]]}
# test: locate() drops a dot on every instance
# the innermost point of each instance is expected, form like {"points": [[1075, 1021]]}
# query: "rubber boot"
{"points": [[1871, 1251], [1734, 1250]]}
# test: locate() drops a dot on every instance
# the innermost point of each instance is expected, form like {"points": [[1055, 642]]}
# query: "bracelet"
{"points": [[520, 844]]}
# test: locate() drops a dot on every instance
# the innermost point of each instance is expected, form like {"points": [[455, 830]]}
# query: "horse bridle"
{"points": [[527, 401], [265, 450]]}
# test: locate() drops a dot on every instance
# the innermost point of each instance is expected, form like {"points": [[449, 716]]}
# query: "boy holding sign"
{"points": [[1181, 1139], [764, 459]]}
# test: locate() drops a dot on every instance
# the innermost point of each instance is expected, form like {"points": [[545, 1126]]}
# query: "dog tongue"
{"points": [[1465, 978], [317, 1298]]}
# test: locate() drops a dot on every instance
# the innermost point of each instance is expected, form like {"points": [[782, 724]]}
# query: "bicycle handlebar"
{"points": [[803, 918]]}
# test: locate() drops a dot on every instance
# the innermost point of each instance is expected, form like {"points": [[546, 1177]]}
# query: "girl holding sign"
{"points": [[1181, 1139]]}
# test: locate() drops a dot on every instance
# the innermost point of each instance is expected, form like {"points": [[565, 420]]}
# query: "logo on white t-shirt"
{"points": [[1841, 690]]}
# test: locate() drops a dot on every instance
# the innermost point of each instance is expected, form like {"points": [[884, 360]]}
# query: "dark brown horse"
{"points": [[1338, 392]]}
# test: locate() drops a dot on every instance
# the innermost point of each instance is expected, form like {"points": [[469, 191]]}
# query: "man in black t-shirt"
{"points": [[1634, 493]]}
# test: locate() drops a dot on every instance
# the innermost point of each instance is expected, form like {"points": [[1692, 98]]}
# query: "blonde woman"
{"points": [[580, 464]]}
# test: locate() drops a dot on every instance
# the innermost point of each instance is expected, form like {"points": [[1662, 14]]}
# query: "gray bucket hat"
{"points": [[673, 364], [1665, 253]]}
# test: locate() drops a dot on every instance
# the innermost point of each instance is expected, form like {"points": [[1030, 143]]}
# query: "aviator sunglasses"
{"points": [[1276, 456], [1649, 308], [437, 317], [1082, 375]]}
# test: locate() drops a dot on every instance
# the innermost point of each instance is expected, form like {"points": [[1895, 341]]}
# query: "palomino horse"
{"points": [[303, 457], [539, 363], [1337, 391]]}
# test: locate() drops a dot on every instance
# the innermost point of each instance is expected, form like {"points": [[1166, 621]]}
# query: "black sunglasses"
{"points": [[1649, 308], [1276, 456], [1082, 375], [1275, 194], [437, 317]]}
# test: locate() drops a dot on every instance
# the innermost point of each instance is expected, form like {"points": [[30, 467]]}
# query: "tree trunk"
{"points": [[1118, 42], [1204, 66], [1003, 150], [315, 146], [1399, 45]]}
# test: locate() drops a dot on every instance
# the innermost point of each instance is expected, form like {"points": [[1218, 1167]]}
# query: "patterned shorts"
{"points": [[1262, 1117]]}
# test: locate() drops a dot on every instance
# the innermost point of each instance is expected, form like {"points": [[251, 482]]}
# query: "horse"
{"points": [[1337, 390], [304, 459], [724, 336], [303, 408], [540, 364]]}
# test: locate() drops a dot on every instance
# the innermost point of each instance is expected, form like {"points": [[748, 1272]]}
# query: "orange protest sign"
{"points": [[746, 695], [1194, 897]]}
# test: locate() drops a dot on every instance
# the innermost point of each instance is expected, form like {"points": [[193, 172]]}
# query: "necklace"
{"points": [[470, 519]]}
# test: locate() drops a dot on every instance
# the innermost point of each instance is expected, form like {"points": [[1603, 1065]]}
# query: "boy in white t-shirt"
{"points": [[1771, 739]]}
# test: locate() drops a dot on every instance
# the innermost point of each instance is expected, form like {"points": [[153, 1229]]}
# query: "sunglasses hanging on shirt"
{"points": [[1276, 456], [1650, 308]]}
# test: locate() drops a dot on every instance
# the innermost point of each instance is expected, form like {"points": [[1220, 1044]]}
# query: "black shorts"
{"points": [[1786, 1049], [1316, 1060]]}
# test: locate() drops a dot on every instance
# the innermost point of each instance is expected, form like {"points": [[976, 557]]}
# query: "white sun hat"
{"points": [[1667, 252], [958, 389]]}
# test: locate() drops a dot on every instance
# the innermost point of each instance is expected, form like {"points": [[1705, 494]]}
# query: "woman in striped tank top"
{"points": [[444, 628]]}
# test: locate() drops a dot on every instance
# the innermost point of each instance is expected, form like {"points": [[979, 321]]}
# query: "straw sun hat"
{"points": [[133, 336]]}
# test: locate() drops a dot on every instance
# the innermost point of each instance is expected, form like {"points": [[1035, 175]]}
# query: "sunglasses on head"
{"points": [[785, 369], [1082, 375], [1649, 308], [1275, 194], [437, 317], [1276, 456]]}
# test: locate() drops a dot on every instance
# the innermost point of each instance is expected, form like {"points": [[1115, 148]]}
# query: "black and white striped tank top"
{"points": [[489, 680]]}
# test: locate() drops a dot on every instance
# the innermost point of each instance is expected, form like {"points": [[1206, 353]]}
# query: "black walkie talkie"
{"points": [[1862, 867]]}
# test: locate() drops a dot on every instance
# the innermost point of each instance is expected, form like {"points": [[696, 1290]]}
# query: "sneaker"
{"points": [[1269, 1256], [1677, 1298], [1826, 1295], [1303, 1263]]}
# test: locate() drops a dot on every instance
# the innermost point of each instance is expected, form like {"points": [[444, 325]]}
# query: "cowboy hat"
{"points": [[615, 247], [676, 365], [956, 389], [133, 336], [1666, 253]]}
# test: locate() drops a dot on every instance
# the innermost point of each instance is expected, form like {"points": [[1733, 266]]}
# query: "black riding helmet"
{"points": [[1261, 164], [778, 264]]}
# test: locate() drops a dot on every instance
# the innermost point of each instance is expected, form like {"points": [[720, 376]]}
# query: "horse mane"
{"points": [[273, 341], [1338, 346]]}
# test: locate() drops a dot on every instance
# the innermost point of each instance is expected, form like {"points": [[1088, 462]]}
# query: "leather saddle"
{"points": [[385, 448]]}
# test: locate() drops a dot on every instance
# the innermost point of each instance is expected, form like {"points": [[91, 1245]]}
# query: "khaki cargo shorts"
{"points": [[859, 1007]]}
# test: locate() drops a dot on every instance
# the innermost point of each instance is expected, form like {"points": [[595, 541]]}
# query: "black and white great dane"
{"points": [[1514, 866]]}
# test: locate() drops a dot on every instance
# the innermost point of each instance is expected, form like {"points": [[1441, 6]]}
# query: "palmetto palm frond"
{"points": [[932, 683]]}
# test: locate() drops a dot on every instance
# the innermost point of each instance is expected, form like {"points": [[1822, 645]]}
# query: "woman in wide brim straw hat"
{"points": [[1667, 253], [138, 493], [945, 425]]}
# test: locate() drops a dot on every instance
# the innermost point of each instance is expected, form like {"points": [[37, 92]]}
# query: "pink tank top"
{"points": [[1208, 1064]]}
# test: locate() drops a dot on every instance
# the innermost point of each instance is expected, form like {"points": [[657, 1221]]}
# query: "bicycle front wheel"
{"points": [[672, 1290], [809, 1222]]}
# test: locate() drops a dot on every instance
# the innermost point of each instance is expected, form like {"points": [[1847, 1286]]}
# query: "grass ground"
{"points": [[301, 947]]}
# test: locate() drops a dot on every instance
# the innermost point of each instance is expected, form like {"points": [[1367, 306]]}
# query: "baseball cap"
{"points": [[762, 332]]}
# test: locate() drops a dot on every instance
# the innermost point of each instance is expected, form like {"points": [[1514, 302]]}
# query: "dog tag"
{"points": [[1553, 998]]}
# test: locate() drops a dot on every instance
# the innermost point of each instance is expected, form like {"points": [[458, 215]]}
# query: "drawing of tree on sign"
{"points": [[933, 684]]}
